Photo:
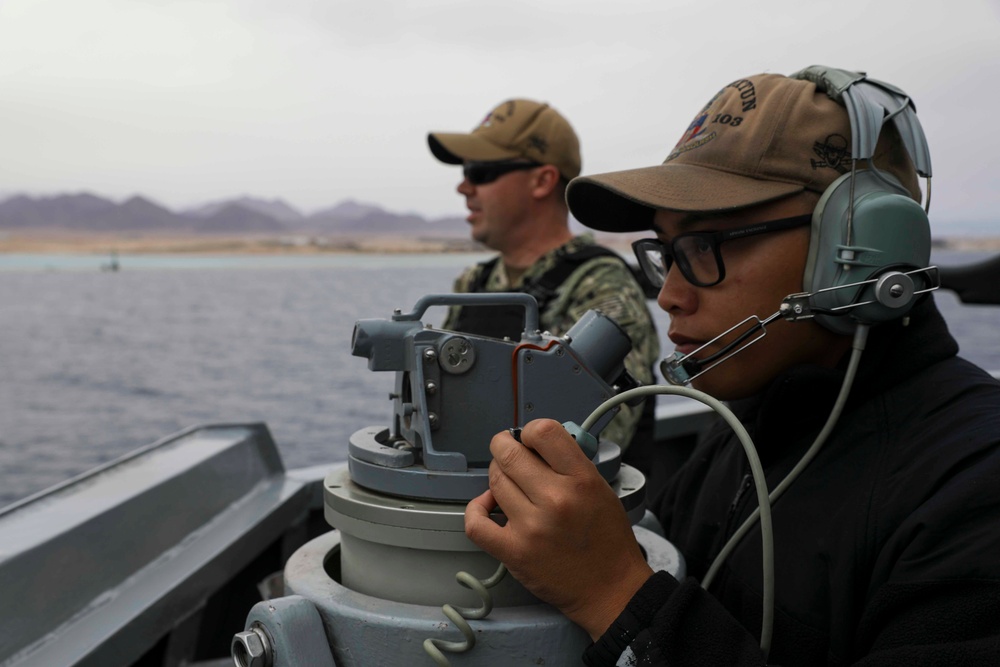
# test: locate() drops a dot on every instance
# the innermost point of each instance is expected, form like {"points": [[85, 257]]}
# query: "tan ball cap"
{"points": [[516, 128], [759, 139]]}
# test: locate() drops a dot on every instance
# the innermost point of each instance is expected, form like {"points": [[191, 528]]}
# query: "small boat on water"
{"points": [[112, 264], [203, 550]]}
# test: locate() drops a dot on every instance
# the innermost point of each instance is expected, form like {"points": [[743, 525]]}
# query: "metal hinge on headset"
{"points": [[892, 289]]}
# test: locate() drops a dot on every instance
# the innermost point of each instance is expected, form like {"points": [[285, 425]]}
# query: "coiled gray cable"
{"points": [[458, 616]]}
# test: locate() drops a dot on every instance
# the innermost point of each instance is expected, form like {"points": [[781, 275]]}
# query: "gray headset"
{"points": [[870, 247]]}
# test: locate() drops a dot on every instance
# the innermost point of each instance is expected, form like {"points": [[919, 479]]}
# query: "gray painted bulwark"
{"points": [[96, 570]]}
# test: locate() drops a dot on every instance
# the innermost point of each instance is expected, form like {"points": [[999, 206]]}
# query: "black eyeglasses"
{"points": [[697, 253], [481, 173]]}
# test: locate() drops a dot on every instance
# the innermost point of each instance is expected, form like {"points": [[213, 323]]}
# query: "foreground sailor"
{"points": [[516, 165], [887, 547]]}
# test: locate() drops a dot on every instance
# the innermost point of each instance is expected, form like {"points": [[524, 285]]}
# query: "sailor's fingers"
{"points": [[480, 527], [553, 443], [515, 473], [546, 471], [483, 504]]}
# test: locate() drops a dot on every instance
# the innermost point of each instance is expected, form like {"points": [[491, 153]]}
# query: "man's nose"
{"points": [[676, 293]]}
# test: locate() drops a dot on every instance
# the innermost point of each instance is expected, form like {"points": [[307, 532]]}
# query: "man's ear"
{"points": [[546, 180]]}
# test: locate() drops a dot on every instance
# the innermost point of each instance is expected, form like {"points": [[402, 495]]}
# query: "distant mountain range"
{"points": [[86, 212], [138, 215]]}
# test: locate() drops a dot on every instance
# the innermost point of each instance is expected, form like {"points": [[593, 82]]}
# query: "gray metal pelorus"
{"points": [[398, 552]]}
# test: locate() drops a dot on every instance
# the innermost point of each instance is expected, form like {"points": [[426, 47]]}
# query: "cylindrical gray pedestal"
{"points": [[364, 630]]}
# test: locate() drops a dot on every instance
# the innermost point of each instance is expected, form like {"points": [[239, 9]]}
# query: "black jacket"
{"points": [[887, 547]]}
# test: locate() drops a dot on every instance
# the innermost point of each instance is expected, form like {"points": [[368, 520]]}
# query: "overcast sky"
{"points": [[317, 101]]}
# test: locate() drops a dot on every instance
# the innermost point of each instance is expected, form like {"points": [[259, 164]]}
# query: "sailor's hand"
{"points": [[567, 537]]}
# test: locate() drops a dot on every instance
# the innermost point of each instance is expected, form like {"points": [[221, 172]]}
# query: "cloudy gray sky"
{"points": [[317, 101]]}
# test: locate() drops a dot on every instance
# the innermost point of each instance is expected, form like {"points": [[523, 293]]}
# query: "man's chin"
{"points": [[482, 239]]}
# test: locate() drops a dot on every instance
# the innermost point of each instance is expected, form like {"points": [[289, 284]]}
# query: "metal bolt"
{"points": [[529, 407], [457, 355], [431, 388], [251, 648], [797, 308], [896, 291], [432, 419], [430, 354], [528, 359]]}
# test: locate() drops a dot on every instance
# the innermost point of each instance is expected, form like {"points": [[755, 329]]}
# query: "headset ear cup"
{"points": [[889, 232]]}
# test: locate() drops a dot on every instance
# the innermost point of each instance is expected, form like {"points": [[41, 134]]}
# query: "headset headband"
{"points": [[870, 103]]}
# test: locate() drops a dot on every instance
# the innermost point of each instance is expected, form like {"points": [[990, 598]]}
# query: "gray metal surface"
{"points": [[384, 535], [365, 630], [395, 472], [97, 570], [347, 504], [294, 632]]}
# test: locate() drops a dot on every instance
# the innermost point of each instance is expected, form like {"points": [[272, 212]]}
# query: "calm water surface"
{"points": [[94, 364]]}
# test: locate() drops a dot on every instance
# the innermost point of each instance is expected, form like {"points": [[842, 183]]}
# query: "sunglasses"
{"points": [[481, 173], [697, 253]]}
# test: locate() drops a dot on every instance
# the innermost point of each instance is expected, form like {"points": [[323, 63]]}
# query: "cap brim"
{"points": [[624, 201], [453, 148]]}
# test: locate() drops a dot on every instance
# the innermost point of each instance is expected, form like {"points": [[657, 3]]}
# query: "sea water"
{"points": [[96, 363]]}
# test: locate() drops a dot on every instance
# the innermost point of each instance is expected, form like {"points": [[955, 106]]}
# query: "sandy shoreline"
{"points": [[96, 244], [105, 244]]}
